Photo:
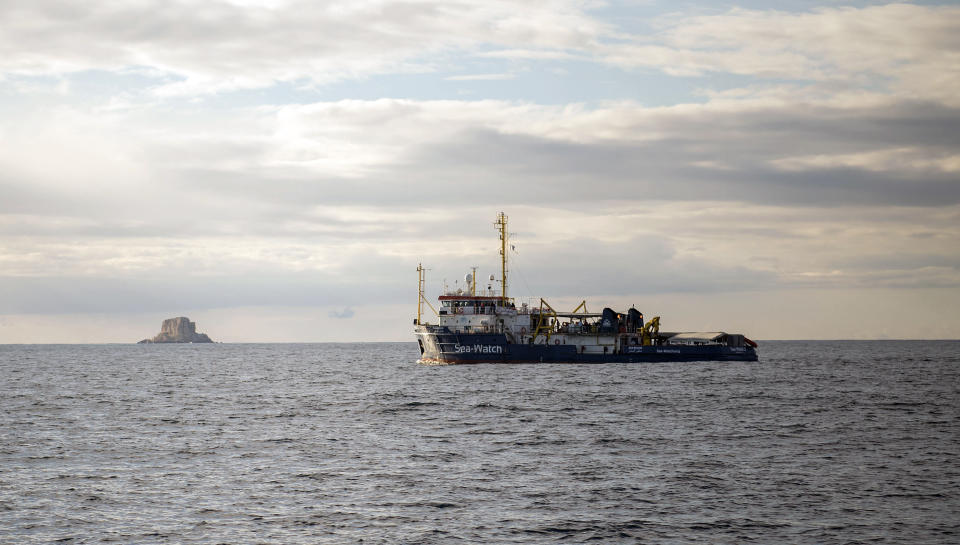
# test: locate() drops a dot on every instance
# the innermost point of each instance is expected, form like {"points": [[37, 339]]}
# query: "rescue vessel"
{"points": [[486, 326]]}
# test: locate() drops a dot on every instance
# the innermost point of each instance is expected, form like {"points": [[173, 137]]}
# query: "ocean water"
{"points": [[818, 442]]}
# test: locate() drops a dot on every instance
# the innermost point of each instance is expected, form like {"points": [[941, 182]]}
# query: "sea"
{"points": [[819, 442]]}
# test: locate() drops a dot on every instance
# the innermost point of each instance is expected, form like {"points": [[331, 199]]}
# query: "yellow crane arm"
{"points": [[543, 327], [650, 330]]}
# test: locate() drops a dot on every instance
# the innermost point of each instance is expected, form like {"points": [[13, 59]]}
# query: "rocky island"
{"points": [[178, 330]]}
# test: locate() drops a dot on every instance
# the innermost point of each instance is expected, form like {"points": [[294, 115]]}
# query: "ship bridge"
{"points": [[473, 304]]}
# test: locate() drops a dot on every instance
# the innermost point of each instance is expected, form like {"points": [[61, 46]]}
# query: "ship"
{"points": [[484, 325]]}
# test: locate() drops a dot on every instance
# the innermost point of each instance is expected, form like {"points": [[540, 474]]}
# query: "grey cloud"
{"points": [[530, 170], [576, 268], [65, 294], [641, 265], [712, 154], [344, 314], [900, 261], [208, 205]]}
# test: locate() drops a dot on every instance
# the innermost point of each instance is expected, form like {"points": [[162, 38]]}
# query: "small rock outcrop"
{"points": [[178, 330]]}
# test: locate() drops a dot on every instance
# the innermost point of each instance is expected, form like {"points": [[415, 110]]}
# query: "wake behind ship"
{"points": [[488, 327]]}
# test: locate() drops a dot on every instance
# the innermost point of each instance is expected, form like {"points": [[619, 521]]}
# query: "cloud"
{"points": [[190, 49], [169, 156], [349, 192], [204, 47], [344, 314], [481, 77], [909, 49], [353, 152], [616, 248], [895, 159], [531, 54]]}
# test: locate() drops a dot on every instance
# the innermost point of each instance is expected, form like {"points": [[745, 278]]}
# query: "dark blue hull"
{"points": [[448, 347]]}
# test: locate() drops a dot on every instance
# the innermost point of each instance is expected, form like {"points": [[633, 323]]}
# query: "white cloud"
{"points": [[901, 159], [844, 176], [199, 48], [481, 77], [908, 49], [222, 46], [531, 54], [321, 187]]}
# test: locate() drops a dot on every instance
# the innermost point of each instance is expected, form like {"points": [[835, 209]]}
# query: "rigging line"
{"points": [[518, 271]]}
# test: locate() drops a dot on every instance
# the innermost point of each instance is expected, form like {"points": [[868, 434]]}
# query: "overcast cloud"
{"points": [[298, 160]]}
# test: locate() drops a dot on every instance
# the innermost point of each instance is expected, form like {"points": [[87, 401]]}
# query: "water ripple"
{"points": [[824, 442]]}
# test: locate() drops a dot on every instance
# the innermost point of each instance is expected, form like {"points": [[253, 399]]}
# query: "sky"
{"points": [[276, 169]]}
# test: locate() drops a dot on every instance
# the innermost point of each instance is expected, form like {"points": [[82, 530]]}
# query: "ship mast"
{"points": [[420, 270], [421, 298], [501, 225]]}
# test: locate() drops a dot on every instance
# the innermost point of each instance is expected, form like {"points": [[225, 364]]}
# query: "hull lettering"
{"points": [[478, 349]]}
